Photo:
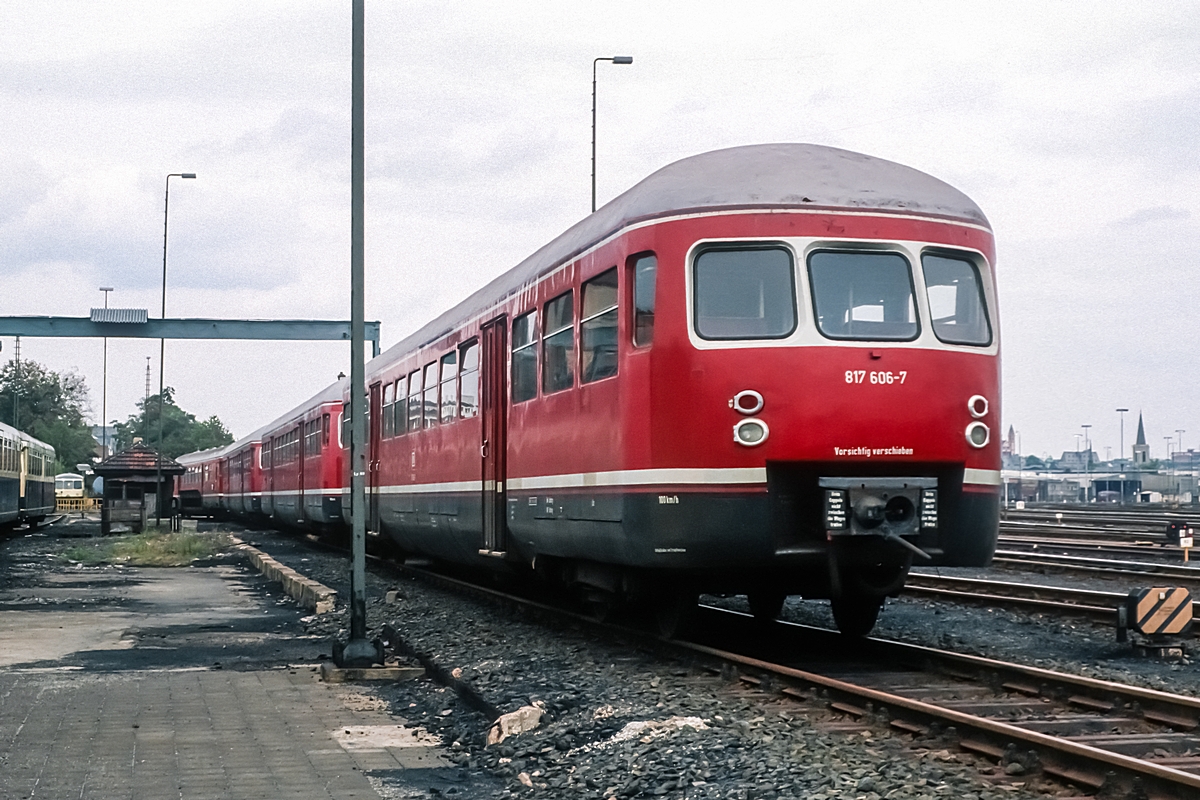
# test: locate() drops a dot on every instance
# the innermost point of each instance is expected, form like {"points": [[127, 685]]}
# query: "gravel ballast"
{"points": [[620, 721]]}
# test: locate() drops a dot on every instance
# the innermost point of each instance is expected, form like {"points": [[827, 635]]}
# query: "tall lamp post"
{"points": [[104, 390], [162, 347], [1121, 455], [615, 60], [1087, 461]]}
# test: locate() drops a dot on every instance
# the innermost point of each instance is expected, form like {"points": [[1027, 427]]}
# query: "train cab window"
{"points": [[558, 344], [325, 430], [449, 389], [645, 270], [400, 409], [744, 293], [956, 303], [468, 392], [345, 441], [865, 296], [524, 357], [414, 400], [598, 328], [431, 395], [387, 418]]}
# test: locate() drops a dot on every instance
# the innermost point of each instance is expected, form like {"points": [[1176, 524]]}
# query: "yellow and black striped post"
{"points": [[1160, 611]]}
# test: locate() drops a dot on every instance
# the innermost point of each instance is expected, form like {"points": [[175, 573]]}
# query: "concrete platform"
{"points": [[182, 683]]}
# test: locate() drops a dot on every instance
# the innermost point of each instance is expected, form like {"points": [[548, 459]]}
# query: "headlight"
{"points": [[978, 406], [747, 402], [978, 434], [750, 432]]}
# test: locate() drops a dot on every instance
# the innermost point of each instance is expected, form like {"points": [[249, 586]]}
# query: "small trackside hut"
{"points": [[131, 488]]}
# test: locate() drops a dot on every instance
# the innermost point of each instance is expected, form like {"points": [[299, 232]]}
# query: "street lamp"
{"points": [[104, 390], [1122, 411], [615, 60], [1087, 460], [162, 346]]}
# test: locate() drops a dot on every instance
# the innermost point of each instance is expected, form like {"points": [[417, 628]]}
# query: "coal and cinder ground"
{"points": [[619, 721]]}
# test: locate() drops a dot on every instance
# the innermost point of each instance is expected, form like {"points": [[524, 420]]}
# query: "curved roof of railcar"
{"points": [[763, 176], [22, 436], [334, 392]]}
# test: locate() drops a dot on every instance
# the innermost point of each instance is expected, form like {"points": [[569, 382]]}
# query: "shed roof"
{"points": [[137, 460]]}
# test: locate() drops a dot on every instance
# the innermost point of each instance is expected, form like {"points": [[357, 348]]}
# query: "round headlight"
{"points": [[978, 406], [748, 402], [978, 434], [750, 432]]}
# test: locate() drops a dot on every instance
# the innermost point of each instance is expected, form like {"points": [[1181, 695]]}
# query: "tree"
{"points": [[181, 431], [49, 406], [1034, 461]]}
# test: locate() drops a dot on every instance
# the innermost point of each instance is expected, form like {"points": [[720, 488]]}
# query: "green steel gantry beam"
{"points": [[134, 326]]}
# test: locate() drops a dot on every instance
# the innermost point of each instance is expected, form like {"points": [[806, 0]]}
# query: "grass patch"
{"points": [[150, 549]]}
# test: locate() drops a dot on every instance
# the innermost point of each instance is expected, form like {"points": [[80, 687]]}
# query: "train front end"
{"points": [[843, 390]]}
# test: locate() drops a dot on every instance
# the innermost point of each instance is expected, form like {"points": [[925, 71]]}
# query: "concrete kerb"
{"points": [[315, 596]]}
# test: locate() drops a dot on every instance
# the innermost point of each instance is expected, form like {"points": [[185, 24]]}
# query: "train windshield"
{"points": [[866, 296], [745, 293], [956, 300]]}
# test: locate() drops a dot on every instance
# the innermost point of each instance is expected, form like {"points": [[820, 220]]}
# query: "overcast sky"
{"points": [[1074, 126]]}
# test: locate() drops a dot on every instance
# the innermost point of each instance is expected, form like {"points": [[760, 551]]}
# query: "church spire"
{"points": [[1141, 437]]}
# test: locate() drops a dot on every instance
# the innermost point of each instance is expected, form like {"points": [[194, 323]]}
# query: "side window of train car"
{"points": [[744, 293], [389, 399], [468, 392], [956, 304], [431, 395], [864, 296], [345, 425], [449, 390], [598, 328], [524, 357], [645, 271], [558, 344], [325, 430], [414, 400], [400, 409]]}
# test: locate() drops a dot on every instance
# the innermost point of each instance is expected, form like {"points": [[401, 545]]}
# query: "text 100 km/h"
{"points": [[882, 378]]}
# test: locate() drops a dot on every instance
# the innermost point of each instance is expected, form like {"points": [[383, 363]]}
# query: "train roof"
{"points": [[21, 436], [763, 176], [334, 392]]}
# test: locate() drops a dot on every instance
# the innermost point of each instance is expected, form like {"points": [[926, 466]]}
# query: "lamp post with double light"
{"points": [[162, 346], [615, 60]]}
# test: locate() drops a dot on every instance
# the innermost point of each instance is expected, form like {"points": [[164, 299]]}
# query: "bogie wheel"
{"points": [[600, 605], [855, 615], [674, 610], [765, 606]]}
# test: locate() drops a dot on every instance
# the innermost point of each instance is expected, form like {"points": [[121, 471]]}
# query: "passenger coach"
{"points": [[767, 370], [26, 478]]}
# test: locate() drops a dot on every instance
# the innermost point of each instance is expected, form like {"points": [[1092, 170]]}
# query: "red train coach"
{"points": [[768, 370], [301, 463]]}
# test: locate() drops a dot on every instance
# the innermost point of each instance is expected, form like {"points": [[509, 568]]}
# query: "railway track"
{"points": [[1101, 736], [1096, 605], [1092, 566]]}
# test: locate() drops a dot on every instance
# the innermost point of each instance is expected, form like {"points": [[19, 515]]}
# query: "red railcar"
{"points": [[302, 463], [767, 370]]}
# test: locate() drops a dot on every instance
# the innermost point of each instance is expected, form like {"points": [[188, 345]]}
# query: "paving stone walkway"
{"points": [[190, 695]]}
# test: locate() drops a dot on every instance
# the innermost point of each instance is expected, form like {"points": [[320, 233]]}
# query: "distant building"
{"points": [[1077, 460], [1188, 460], [101, 434], [1141, 450]]}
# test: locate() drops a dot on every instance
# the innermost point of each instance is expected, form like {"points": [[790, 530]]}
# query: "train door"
{"points": [[494, 412], [374, 417], [301, 511]]}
